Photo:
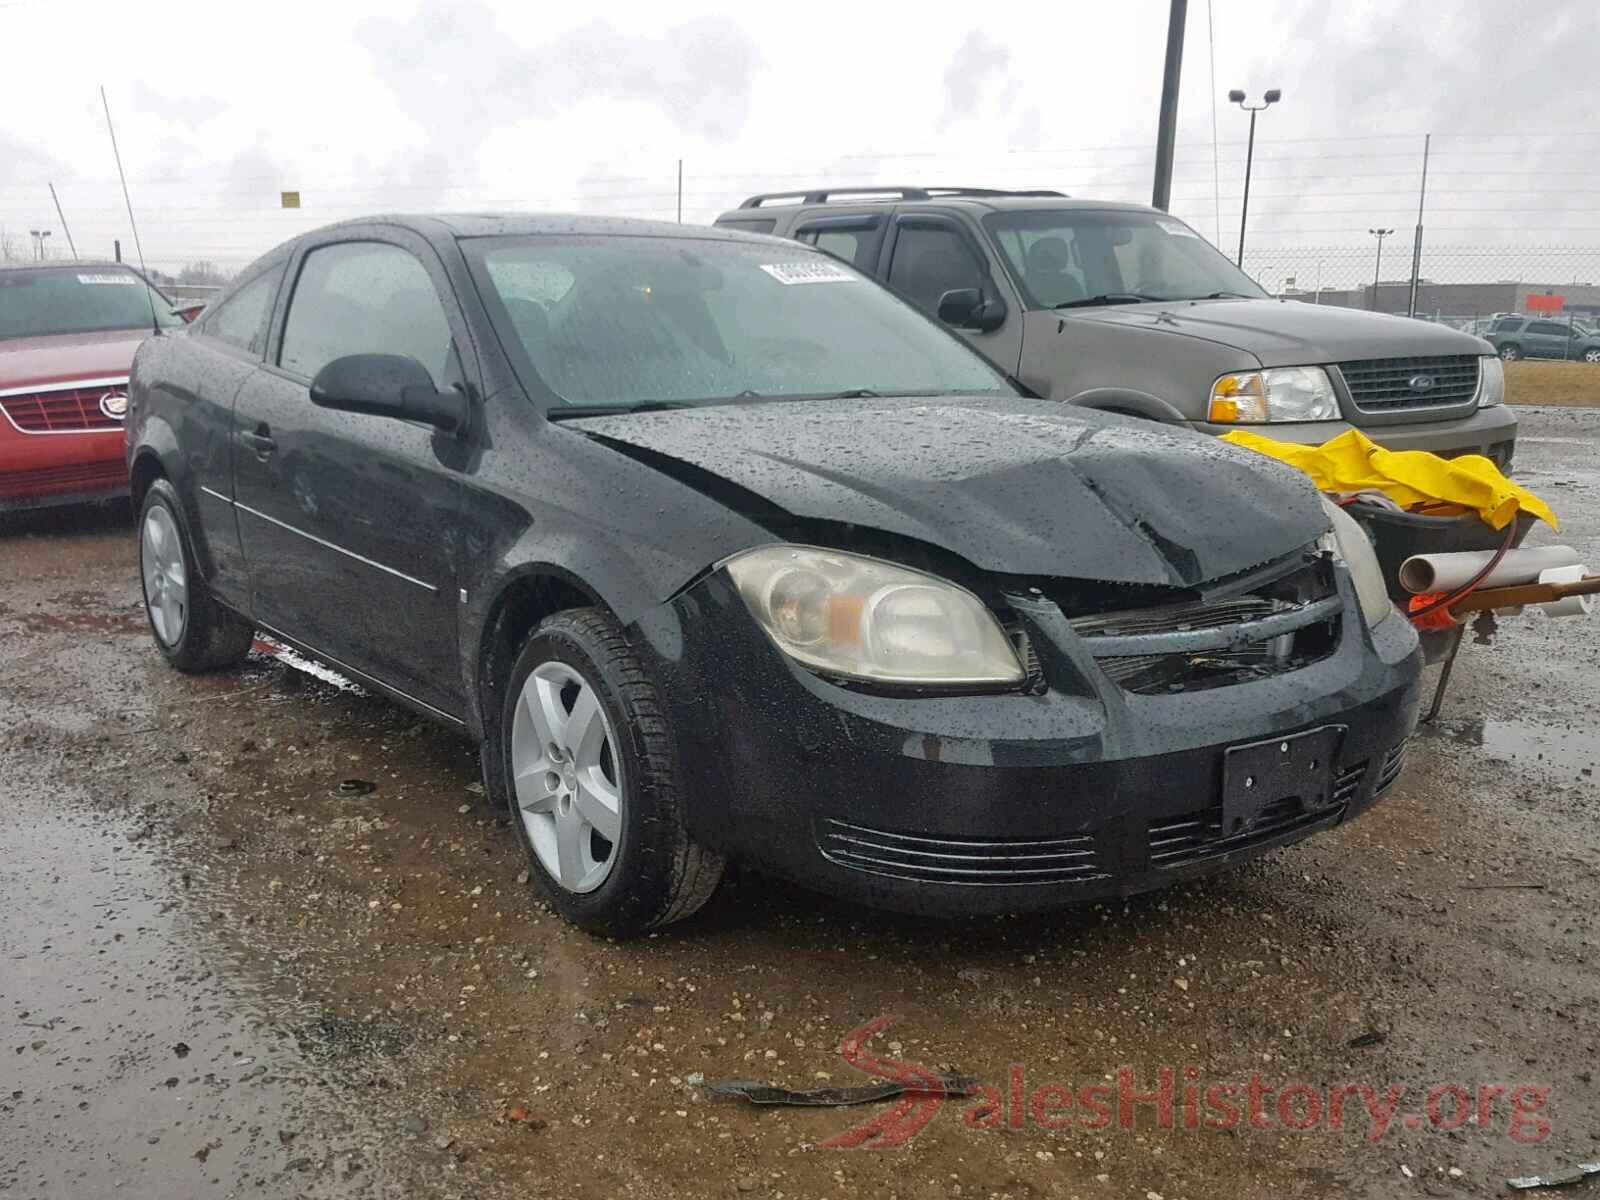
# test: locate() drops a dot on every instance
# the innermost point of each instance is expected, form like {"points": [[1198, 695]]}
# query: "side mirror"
{"points": [[965, 308], [189, 312], [388, 385]]}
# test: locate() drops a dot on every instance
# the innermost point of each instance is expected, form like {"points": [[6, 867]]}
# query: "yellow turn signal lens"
{"points": [[1241, 397]]}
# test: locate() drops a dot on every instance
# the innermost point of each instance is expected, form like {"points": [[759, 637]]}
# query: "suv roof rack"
{"points": [[823, 195]]}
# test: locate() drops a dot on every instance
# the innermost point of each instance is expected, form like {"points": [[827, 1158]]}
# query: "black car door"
{"points": [[348, 521]]}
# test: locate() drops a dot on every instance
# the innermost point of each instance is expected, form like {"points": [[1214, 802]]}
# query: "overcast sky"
{"points": [[480, 104]]}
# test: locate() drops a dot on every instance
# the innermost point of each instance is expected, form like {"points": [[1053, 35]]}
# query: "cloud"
{"points": [[977, 63], [458, 75]]}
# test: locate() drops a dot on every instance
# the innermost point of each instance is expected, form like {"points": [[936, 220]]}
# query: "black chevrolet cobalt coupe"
{"points": [[722, 552]]}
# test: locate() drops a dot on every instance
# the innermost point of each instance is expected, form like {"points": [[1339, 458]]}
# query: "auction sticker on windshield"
{"points": [[807, 272], [1176, 229], [117, 278]]}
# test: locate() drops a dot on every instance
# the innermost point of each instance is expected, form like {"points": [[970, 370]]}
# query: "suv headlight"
{"points": [[1349, 542], [1491, 380], [1276, 394], [863, 618]]}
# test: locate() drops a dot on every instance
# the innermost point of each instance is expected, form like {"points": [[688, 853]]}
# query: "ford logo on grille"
{"points": [[114, 405], [1420, 383]]}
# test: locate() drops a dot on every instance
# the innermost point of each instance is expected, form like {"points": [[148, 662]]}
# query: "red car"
{"points": [[67, 336]]}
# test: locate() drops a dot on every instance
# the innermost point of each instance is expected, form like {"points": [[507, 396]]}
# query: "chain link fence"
{"points": [[1462, 285]]}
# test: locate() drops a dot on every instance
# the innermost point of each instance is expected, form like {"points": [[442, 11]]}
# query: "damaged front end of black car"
{"points": [[1083, 658]]}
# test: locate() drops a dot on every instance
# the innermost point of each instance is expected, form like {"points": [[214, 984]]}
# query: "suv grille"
{"points": [[1387, 384], [68, 409]]}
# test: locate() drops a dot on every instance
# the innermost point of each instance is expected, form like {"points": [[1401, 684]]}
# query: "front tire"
{"points": [[1592, 356], [1510, 353], [588, 772], [193, 632]]}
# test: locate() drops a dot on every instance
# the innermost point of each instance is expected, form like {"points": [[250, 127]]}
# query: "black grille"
{"points": [[959, 860], [1394, 762], [1196, 837], [1387, 384]]}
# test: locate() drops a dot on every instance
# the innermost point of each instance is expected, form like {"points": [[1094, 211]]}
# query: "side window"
{"points": [[366, 298], [930, 260], [241, 319], [1510, 325], [841, 243], [1549, 328]]}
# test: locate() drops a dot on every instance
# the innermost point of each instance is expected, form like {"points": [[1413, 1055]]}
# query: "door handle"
{"points": [[260, 441]]}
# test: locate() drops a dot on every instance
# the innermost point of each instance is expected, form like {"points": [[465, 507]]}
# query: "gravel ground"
{"points": [[221, 974]]}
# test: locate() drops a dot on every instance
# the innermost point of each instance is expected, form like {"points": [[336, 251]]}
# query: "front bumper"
{"points": [[40, 470], [1491, 432], [1002, 803]]}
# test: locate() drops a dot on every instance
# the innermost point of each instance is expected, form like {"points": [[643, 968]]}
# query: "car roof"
{"points": [[514, 224], [58, 264], [977, 199]]}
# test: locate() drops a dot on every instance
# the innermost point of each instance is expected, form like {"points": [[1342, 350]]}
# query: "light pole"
{"points": [[1268, 98], [1377, 268]]}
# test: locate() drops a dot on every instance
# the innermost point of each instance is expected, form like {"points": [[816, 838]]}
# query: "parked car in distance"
{"points": [[721, 551], [68, 332], [1517, 337], [1124, 308]]}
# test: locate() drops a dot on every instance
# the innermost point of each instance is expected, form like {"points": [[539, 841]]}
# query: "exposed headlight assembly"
{"points": [[1276, 394], [862, 618], [1491, 380], [1349, 542]]}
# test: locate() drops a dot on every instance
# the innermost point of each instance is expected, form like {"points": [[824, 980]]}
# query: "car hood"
{"points": [[1285, 333], [1013, 486], [62, 358]]}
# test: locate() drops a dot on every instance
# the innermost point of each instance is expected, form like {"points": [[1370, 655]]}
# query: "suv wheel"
{"points": [[1592, 355], [192, 630], [1510, 353], [591, 780]]}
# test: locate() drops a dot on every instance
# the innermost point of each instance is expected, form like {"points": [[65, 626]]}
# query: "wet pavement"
{"points": [[223, 973]]}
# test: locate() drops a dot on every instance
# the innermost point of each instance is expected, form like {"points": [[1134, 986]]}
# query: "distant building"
{"points": [[1461, 299]]}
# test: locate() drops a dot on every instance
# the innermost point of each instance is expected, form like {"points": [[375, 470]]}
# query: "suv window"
{"points": [[930, 260], [1507, 325], [366, 298], [241, 319], [1551, 328]]}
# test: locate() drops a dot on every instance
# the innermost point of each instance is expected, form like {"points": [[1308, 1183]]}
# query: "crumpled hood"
{"points": [[1014, 486], [1285, 333]]}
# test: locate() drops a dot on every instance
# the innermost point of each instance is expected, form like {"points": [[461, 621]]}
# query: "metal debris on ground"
{"points": [[355, 787], [1372, 1037], [761, 1093], [1578, 1174]]}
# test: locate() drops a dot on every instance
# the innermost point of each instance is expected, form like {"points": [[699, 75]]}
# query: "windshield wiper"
{"points": [[852, 394], [1221, 296], [1110, 298], [567, 411]]}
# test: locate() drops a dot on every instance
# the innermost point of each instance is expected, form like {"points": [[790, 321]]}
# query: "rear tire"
{"points": [[193, 632], [1592, 355], [584, 752], [1510, 353]]}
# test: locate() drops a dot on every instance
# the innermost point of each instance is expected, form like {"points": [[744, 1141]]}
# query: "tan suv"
{"points": [[1126, 308]]}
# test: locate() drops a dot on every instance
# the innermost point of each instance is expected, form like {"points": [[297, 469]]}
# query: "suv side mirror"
{"points": [[966, 308], [188, 312], [388, 385]]}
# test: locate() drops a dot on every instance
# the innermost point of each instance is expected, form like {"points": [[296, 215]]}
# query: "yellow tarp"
{"points": [[1352, 462]]}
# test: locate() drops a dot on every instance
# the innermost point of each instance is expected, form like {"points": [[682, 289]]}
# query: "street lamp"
{"points": [[1269, 97], [1377, 268], [38, 236]]}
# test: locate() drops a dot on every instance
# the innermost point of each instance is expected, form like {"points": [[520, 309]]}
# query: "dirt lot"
{"points": [[1568, 384], [221, 974]]}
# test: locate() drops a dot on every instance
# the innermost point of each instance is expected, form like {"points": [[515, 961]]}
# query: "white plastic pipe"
{"points": [[1567, 606], [1446, 572]]}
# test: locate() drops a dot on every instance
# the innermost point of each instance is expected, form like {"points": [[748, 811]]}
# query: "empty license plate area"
{"points": [[1261, 775]]}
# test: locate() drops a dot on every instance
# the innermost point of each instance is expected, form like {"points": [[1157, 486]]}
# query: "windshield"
{"points": [[1082, 257], [37, 303], [629, 321]]}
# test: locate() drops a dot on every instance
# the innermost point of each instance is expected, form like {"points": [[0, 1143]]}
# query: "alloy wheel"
{"points": [[1591, 356], [166, 582], [567, 775]]}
